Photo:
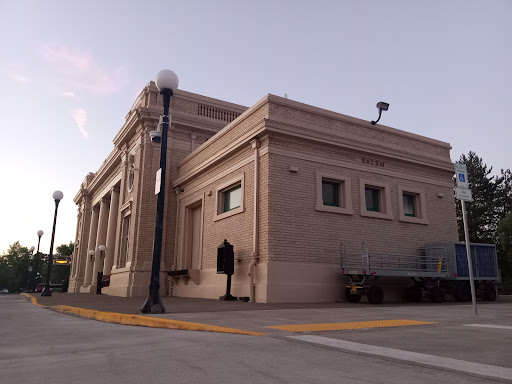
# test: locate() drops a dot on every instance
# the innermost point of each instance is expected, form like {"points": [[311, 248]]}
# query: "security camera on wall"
{"points": [[156, 136]]}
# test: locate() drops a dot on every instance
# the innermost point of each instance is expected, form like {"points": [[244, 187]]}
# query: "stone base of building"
{"points": [[74, 285], [274, 283], [87, 289], [133, 283]]}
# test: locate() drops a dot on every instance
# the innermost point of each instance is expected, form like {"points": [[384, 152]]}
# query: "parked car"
{"points": [[40, 287], [4, 291]]}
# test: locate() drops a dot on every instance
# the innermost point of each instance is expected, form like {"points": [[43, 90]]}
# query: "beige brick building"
{"points": [[285, 183]]}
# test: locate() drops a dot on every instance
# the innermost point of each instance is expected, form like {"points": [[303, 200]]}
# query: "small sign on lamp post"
{"points": [[158, 181]]}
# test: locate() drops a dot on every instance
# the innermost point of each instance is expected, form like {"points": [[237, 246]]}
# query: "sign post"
{"points": [[463, 193]]}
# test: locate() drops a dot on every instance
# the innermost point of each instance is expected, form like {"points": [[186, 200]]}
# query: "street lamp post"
{"points": [[99, 284], [39, 234], [167, 82], [30, 267], [57, 196]]}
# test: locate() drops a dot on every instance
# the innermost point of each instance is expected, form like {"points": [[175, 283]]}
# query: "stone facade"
{"points": [[273, 159]]}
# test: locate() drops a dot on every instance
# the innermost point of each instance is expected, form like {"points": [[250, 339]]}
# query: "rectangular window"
{"points": [[372, 195], [125, 241], [231, 198], [409, 202], [331, 193]]}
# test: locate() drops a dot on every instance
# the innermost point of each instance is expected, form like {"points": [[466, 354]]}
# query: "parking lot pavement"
{"points": [[446, 336], [125, 354]]}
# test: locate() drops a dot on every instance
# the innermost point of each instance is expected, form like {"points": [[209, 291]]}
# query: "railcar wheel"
{"points": [[352, 297]]}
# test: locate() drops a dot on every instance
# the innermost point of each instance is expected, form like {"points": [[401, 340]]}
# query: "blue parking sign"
{"points": [[461, 177]]}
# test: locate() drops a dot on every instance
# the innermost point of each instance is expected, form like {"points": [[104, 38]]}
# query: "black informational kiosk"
{"points": [[226, 265]]}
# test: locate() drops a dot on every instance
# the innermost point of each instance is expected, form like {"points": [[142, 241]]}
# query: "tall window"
{"points": [[123, 256], [231, 198], [331, 193], [409, 202], [372, 195]]}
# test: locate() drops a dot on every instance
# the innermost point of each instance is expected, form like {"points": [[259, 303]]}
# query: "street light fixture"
{"points": [[57, 196], [39, 234], [167, 82], [382, 107]]}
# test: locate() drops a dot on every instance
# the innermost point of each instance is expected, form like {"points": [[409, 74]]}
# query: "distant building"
{"points": [[285, 183]]}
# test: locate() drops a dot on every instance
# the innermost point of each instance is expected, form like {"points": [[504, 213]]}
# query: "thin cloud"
{"points": [[21, 79], [78, 71], [80, 117], [68, 94], [58, 54]]}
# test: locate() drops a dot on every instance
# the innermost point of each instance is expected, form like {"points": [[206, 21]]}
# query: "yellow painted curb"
{"points": [[140, 320], [352, 325], [33, 299]]}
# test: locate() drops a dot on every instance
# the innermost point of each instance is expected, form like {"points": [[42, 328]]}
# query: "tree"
{"points": [[483, 212], [14, 273], [66, 249], [61, 272], [504, 193], [14, 267], [505, 251]]}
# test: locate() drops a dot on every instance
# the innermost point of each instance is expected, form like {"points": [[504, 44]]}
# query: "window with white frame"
{"points": [[375, 199], [412, 205], [409, 202], [229, 198], [333, 192]]}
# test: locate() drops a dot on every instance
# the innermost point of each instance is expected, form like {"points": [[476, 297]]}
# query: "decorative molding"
{"points": [[127, 205], [238, 165], [358, 167]]}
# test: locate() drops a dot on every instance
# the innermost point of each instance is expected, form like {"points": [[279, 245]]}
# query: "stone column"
{"points": [[111, 232], [91, 245], [101, 237]]}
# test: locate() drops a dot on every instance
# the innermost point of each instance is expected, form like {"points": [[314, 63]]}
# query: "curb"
{"points": [[140, 320]]}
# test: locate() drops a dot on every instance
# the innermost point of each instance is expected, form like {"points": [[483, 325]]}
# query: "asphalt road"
{"points": [[38, 345]]}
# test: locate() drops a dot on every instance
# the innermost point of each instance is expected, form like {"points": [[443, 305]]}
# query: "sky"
{"points": [[70, 71]]}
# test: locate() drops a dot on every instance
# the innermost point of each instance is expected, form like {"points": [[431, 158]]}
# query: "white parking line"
{"points": [[421, 358], [489, 326]]}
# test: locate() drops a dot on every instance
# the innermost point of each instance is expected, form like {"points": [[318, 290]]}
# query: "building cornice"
{"points": [[106, 169], [353, 143], [213, 140], [273, 99]]}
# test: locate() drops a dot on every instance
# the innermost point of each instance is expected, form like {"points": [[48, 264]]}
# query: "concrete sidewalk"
{"points": [[271, 319], [132, 305]]}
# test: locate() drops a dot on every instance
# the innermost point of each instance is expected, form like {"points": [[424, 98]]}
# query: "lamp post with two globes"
{"points": [[167, 82], [57, 196]]}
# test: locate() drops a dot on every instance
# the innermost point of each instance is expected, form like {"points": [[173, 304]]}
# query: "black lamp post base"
{"points": [[153, 303], [228, 298]]}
